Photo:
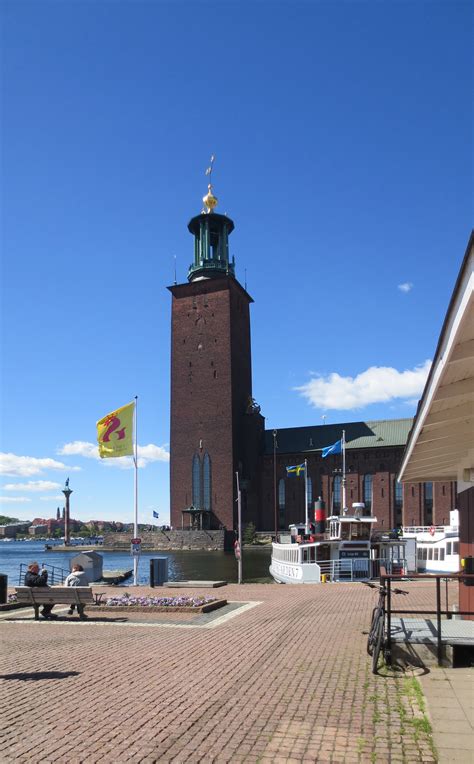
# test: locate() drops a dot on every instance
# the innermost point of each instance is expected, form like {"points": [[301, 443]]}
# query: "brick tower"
{"points": [[216, 428]]}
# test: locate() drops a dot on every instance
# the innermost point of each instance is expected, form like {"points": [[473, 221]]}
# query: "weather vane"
{"points": [[210, 201], [210, 168]]}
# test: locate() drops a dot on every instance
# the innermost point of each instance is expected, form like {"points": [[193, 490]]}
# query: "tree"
{"points": [[4, 520], [248, 536]]}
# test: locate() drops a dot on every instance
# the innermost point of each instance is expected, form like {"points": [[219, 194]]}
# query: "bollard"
{"points": [[158, 571], [3, 589], [323, 578], [455, 616]]}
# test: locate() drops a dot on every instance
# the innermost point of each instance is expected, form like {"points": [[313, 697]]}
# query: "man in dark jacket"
{"points": [[34, 578]]}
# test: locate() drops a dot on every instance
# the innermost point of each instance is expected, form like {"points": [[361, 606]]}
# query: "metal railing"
{"points": [[413, 530], [56, 575], [386, 580]]}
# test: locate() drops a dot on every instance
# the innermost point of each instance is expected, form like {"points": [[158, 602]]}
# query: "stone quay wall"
{"points": [[163, 541]]}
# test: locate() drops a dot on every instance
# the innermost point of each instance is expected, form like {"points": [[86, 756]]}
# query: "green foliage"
{"points": [[248, 536], [5, 520], [58, 533]]}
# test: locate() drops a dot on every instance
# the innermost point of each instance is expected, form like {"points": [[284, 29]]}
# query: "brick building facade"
{"points": [[216, 429], [373, 455]]}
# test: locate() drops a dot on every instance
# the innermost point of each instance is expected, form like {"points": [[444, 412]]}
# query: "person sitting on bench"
{"points": [[78, 577], [34, 578]]}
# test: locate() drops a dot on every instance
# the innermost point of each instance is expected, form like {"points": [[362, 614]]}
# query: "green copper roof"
{"points": [[384, 432]]}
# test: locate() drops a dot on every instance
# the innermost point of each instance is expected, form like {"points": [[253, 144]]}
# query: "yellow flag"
{"points": [[115, 432]]}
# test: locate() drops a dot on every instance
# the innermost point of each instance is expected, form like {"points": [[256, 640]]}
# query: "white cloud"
{"points": [[13, 499], [24, 466], [146, 454], [32, 485], [379, 384], [52, 498], [80, 448], [406, 287]]}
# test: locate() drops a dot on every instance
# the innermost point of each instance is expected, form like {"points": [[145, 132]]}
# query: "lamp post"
{"points": [[67, 492], [275, 483]]}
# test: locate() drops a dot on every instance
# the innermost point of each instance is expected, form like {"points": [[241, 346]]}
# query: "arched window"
{"points": [[281, 503], [428, 503], [336, 495], [281, 494], [310, 492], [196, 481], [398, 503], [206, 481], [368, 493]]}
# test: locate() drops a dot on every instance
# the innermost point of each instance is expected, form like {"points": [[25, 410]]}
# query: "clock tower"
{"points": [[216, 427]]}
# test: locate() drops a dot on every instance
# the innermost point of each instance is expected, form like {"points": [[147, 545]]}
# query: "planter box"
{"points": [[206, 608]]}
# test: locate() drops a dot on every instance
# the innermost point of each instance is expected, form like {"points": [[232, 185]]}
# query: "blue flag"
{"points": [[297, 469], [336, 448], [155, 514]]}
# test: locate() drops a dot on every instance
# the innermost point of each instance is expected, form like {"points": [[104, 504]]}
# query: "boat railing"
{"points": [[56, 575], [413, 530]]}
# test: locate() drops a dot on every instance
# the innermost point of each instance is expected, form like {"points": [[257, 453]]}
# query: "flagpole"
{"points": [[135, 530], [343, 470], [306, 496]]}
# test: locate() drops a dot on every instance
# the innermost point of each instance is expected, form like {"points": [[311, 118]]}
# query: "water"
{"points": [[182, 566]]}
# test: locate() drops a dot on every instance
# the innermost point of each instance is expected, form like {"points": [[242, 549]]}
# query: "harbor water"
{"points": [[182, 565]]}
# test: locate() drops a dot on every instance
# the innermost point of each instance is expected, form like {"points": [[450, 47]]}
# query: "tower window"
{"points": [[206, 475], [196, 487]]}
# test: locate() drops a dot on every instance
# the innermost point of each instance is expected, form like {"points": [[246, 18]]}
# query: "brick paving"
{"points": [[286, 681]]}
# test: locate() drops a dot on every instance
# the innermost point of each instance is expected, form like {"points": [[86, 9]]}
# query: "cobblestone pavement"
{"points": [[285, 681]]}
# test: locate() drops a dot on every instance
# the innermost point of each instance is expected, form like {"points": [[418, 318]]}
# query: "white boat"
{"points": [[437, 546], [347, 551]]}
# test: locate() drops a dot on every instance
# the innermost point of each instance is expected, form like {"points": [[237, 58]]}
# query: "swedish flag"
{"points": [[297, 470]]}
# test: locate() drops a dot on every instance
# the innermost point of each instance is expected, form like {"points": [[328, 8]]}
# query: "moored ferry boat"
{"points": [[437, 546], [347, 550]]}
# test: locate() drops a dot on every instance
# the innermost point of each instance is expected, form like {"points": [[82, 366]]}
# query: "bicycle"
{"points": [[377, 638]]}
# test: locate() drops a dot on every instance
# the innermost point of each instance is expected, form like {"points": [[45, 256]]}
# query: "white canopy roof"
{"points": [[441, 443]]}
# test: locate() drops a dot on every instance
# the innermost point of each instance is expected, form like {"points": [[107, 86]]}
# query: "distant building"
{"points": [[10, 531], [38, 530]]}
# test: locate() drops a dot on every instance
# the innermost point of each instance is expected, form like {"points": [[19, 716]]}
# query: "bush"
{"points": [[248, 536]]}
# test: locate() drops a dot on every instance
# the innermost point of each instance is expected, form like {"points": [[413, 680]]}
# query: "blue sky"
{"points": [[343, 140]]}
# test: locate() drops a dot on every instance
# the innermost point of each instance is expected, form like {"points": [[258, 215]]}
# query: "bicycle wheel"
{"points": [[376, 612], [378, 640]]}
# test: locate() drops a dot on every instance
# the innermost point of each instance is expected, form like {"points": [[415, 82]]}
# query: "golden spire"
{"points": [[210, 201]]}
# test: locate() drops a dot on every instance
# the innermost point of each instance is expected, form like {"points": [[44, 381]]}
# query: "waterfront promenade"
{"points": [[285, 679]]}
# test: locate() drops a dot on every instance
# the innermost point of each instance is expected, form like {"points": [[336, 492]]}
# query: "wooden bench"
{"points": [[57, 595]]}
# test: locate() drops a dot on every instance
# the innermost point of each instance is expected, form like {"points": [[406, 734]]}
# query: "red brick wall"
{"points": [[466, 545], [210, 385], [382, 463]]}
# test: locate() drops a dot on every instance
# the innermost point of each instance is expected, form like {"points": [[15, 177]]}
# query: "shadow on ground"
{"points": [[35, 675]]}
